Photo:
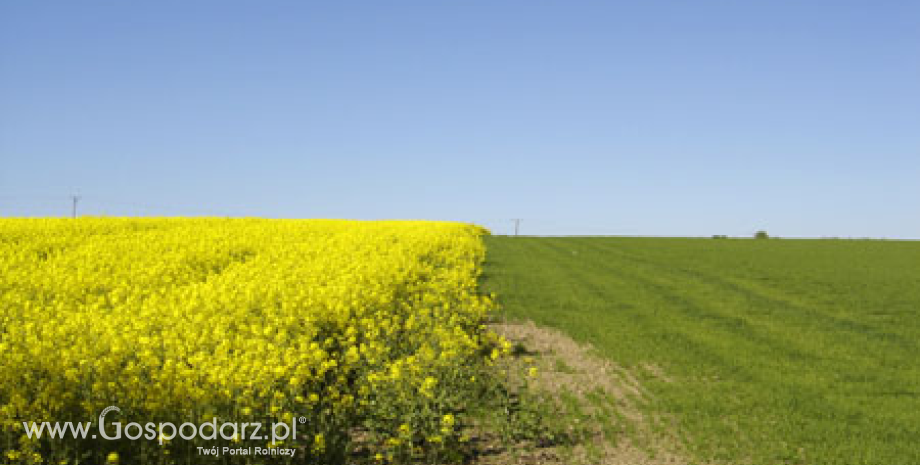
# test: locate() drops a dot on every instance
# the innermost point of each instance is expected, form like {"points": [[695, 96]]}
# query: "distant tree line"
{"points": [[758, 235]]}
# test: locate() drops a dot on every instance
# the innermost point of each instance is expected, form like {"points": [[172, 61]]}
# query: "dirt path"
{"points": [[599, 398]]}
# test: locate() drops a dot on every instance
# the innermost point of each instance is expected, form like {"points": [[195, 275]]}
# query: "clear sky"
{"points": [[644, 117]]}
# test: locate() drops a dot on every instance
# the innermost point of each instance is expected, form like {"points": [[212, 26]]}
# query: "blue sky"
{"points": [[659, 118]]}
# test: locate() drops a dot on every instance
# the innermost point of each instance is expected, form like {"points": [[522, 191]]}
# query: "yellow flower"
{"points": [[427, 387], [319, 443], [251, 318]]}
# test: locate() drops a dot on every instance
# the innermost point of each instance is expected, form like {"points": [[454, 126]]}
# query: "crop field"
{"points": [[340, 329], [377, 343], [756, 351]]}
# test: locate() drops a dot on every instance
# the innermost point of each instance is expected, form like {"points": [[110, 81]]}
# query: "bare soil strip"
{"points": [[604, 394]]}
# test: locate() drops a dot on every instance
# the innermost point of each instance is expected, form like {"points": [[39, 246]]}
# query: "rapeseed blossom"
{"points": [[244, 319]]}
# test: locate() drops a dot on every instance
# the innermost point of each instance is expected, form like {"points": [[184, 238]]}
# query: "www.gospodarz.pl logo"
{"points": [[164, 431]]}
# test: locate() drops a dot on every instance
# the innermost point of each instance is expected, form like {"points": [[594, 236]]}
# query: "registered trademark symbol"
{"points": [[302, 420]]}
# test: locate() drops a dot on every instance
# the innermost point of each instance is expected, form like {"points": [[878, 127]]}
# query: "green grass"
{"points": [[780, 351]]}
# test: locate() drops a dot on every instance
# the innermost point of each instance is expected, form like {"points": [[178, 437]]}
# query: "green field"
{"points": [[777, 351]]}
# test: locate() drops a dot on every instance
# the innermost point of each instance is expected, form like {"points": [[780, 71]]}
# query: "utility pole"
{"points": [[73, 210], [517, 225]]}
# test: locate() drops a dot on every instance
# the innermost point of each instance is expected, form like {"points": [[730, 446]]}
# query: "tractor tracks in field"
{"points": [[739, 306]]}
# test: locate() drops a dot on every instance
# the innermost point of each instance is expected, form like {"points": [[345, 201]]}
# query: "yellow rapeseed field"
{"points": [[369, 330]]}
